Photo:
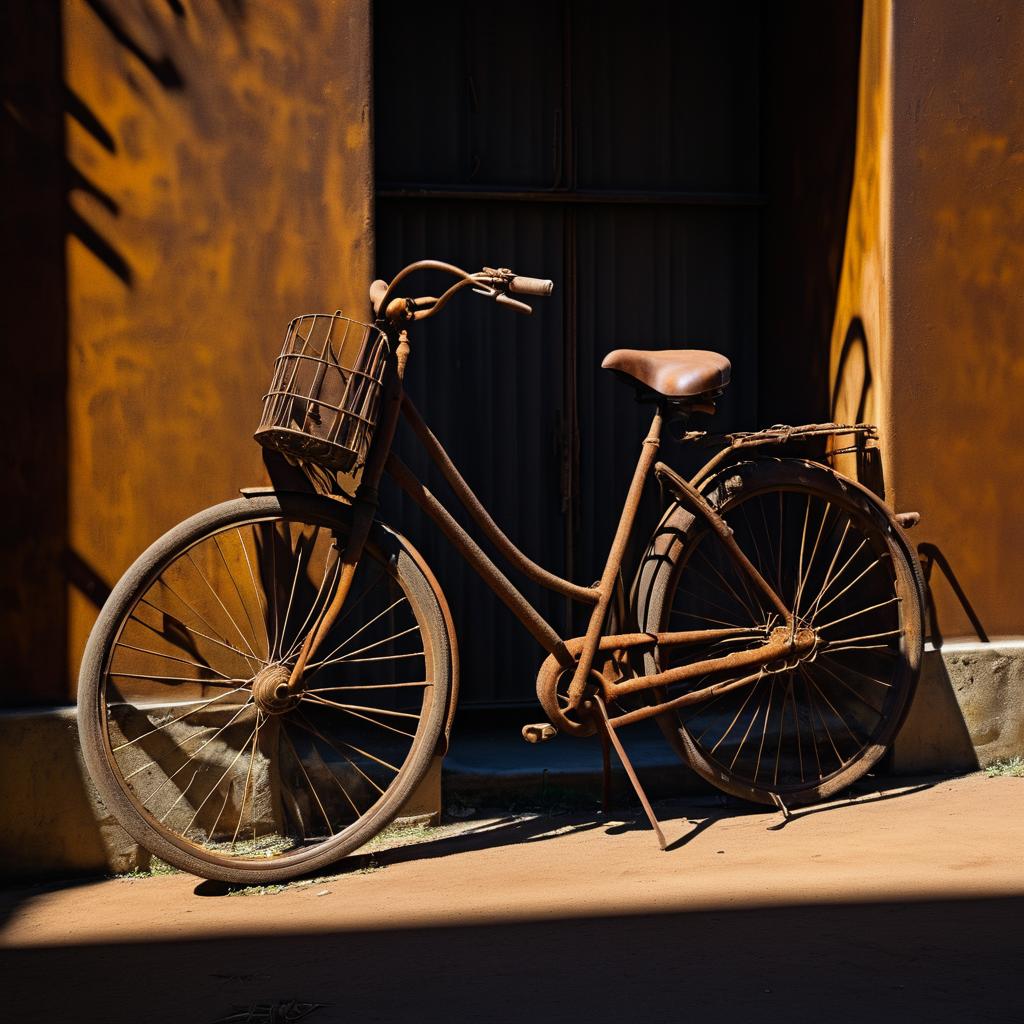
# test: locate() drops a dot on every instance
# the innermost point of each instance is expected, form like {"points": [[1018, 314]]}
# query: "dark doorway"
{"points": [[622, 153]]}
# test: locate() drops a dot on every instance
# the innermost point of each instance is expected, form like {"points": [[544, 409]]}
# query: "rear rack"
{"points": [[782, 433], [869, 462]]}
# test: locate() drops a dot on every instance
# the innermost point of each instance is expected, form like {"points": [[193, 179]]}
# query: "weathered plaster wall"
{"points": [[928, 340], [957, 369], [220, 183]]}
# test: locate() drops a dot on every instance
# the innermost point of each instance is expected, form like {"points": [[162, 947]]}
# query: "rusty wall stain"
{"points": [[928, 339], [958, 280], [235, 193]]}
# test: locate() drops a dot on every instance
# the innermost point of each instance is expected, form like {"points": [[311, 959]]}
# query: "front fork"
{"points": [[364, 511]]}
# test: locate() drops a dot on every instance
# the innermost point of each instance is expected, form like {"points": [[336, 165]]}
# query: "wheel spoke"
{"points": [[310, 728], [189, 629], [164, 725], [191, 757], [750, 693], [377, 617], [818, 606], [842, 682], [238, 593], [821, 718], [731, 590], [791, 695], [831, 566], [764, 730], [368, 686], [302, 767], [248, 777], [163, 582], [171, 657], [257, 591], [362, 650], [295, 579], [216, 596], [852, 583], [861, 611], [216, 786], [323, 701], [849, 668], [179, 679], [824, 696], [750, 726], [330, 773], [300, 634]]}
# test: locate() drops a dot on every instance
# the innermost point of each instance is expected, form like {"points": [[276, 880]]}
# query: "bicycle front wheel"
{"points": [[808, 727], [194, 762]]}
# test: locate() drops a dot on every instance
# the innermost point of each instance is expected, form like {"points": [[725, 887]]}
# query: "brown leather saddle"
{"points": [[686, 377]]}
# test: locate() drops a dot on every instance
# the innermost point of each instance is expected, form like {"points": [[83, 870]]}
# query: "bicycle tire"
{"points": [[265, 529], [826, 722]]}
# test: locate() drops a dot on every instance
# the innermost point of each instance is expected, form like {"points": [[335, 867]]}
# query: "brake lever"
{"points": [[506, 300]]}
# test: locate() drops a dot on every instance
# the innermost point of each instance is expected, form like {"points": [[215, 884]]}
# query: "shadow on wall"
{"points": [[850, 402]]}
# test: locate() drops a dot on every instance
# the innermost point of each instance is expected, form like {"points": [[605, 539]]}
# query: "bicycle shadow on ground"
{"points": [[695, 816]]}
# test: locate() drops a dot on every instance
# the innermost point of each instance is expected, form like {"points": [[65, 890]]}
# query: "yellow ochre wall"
{"points": [[934, 270], [227, 188]]}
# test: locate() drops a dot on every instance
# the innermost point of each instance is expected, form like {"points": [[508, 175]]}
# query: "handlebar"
{"points": [[491, 283], [531, 286]]}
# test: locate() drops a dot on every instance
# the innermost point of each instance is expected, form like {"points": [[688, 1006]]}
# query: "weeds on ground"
{"points": [[156, 867], [1007, 767]]}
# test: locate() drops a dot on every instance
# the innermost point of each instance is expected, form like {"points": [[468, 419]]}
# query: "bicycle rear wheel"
{"points": [[184, 748], [807, 728]]}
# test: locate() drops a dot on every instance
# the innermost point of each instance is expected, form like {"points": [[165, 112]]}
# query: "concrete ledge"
{"points": [[52, 821], [968, 712]]}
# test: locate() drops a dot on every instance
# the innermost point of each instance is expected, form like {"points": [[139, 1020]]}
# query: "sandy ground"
{"points": [[905, 904]]}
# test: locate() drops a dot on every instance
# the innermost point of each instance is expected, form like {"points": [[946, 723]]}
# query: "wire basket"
{"points": [[323, 402]]}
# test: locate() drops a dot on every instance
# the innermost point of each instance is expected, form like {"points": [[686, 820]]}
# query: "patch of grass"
{"points": [[156, 867], [258, 890], [1007, 767], [400, 835]]}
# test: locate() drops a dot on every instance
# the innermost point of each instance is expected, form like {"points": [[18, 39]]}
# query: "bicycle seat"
{"points": [[672, 373]]}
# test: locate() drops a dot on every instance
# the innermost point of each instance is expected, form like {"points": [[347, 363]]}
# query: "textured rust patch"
{"points": [[233, 194]]}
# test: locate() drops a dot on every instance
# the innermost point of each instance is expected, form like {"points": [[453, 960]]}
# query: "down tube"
{"points": [[496, 580]]}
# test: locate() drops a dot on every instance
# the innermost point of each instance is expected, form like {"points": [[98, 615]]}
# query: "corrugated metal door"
{"points": [[618, 156]]}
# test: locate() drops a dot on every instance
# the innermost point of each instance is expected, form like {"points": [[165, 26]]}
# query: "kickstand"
{"points": [[608, 735], [606, 771], [786, 812]]}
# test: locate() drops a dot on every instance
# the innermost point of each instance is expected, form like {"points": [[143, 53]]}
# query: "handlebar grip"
{"points": [[377, 292], [531, 286]]}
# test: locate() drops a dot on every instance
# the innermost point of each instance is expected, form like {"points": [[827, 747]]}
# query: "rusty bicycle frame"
{"points": [[589, 691]]}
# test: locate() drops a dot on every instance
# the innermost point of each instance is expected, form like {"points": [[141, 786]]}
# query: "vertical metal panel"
{"points": [[655, 278], [489, 383], [666, 96], [467, 93], [666, 100]]}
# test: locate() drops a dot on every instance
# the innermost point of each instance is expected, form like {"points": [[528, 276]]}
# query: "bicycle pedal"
{"points": [[539, 733]]}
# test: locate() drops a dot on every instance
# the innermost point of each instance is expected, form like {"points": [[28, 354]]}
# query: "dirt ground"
{"points": [[903, 904]]}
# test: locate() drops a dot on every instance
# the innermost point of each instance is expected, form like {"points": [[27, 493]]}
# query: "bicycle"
{"points": [[267, 684]]}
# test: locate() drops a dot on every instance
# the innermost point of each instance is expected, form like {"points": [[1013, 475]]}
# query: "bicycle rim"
{"points": [[202, 770], [806, 728]]}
